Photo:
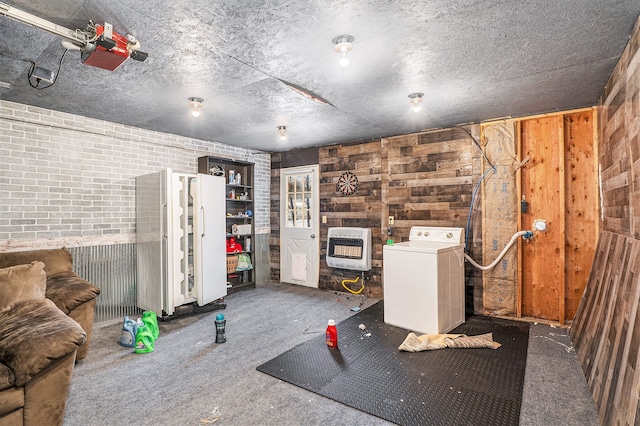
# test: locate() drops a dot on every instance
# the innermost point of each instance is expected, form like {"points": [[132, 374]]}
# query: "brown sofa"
{"points": [[71, 294], [38, 344]]}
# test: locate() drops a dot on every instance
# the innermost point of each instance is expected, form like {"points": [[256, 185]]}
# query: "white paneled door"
{"points": [[299, 226]]}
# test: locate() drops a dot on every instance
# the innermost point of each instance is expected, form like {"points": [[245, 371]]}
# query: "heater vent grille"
{"points": [[349, 248]]}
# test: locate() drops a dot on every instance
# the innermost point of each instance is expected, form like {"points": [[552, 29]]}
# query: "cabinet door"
{"points": [[209, 238], [152, 218]]}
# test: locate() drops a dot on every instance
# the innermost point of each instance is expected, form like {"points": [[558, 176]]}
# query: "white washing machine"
{"points": [[424, 280]]}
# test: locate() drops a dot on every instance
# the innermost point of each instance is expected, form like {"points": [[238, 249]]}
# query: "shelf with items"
{"points": [[239, 193], [239, 216]]}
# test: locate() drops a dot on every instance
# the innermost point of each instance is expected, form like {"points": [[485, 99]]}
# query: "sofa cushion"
{"points": [[13, 418], [7, 378], [68, 290], [11, 399], [55, 260], [21, 283], [35, 333]]}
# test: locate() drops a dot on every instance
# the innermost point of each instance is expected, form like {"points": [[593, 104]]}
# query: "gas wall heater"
{"points": [[349, 248]]}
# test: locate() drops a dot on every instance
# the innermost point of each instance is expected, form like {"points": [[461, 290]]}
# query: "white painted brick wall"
{"points": [[67, 176]]}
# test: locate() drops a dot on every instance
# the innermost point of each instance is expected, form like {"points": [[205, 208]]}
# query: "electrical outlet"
{"points": [[391, 220]]}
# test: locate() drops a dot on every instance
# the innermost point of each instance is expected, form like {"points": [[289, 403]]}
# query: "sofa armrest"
{"points": [[45, 395], [84, 315], [68, 291], [35, 333]]}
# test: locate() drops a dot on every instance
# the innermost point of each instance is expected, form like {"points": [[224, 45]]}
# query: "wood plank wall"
{"points": [[428, 179], [363, 209], [274, 217], [618, 141], [606, 330], [430, 182], [421, 179], [431, 178]]}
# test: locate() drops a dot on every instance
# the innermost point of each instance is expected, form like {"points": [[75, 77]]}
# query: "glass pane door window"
{"points": [[299, 201]]}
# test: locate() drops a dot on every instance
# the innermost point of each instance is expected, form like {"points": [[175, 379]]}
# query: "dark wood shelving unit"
{"points": [[239, 208]]}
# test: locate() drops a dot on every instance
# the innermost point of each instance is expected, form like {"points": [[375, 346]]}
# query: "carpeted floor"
{"points": [[190, 380]]}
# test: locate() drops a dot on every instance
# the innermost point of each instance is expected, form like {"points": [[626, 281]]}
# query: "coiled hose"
{"points": [[502, 253], [352, 281]]}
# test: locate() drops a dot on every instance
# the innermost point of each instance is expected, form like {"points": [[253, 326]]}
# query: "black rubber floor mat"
{"points": [[442, 387]]}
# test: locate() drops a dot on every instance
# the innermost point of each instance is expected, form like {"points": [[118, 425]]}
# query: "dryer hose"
{"points": [[526, 234]]}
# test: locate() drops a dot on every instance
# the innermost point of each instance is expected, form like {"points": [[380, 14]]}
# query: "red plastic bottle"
{"points": [[332, 334]]}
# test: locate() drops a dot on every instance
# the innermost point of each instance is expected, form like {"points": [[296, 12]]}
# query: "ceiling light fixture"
{"points": [[416, 100], [195, 104], [283, 132], [343, 46]]}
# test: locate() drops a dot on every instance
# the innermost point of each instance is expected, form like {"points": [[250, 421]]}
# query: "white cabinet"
{"points": [[180, 237]]}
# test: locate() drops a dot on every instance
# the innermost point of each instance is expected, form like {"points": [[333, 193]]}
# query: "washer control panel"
{"points": [[437, 234]]}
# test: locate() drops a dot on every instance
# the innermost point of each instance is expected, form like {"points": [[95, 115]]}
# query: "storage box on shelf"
{"points": [[232, 264], [239, 221]]}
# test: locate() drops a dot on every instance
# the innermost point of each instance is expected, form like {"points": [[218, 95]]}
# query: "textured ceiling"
{"points": [[474, 60]]}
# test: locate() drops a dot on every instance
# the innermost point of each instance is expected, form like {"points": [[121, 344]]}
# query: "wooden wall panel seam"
{"points": [[520, 225], [562, 205]]}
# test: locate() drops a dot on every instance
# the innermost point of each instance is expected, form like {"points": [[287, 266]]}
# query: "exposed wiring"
{"points": [[30, 73], [475, 190], [352, 281], [55, 78], [502, 253], [478, 145], [90, 32], [522, 163]]}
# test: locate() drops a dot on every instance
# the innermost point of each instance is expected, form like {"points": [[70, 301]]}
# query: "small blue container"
{"points": [[128, 335], [221, 336]]}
